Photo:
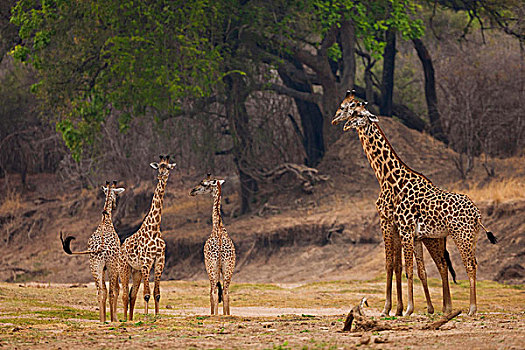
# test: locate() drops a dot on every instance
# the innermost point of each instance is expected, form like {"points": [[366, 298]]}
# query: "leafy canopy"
{"points": [[115, 56]]}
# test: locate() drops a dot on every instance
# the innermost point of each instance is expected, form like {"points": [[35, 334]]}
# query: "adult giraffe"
{"points": [[419, 210], [146, 248]]}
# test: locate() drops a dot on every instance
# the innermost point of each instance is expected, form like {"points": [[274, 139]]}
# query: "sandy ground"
{"points": [[264, 316]]}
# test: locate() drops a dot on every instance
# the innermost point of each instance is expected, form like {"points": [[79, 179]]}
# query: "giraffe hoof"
{"points": [[430, 309], [472, 311], [409, 311]]}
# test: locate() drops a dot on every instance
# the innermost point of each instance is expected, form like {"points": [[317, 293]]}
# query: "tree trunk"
{"points": [[436, 129], [387, 85], [242, 141], [311, 120]]}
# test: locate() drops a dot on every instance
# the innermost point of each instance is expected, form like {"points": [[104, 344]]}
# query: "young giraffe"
{"points": [[146, 247], [104, 250], [414, 206], [219, 250]]}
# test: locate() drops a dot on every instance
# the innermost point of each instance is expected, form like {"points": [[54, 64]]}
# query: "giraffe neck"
{"points": [[152, 220], [385, 163], [108, 206], [107, 220], [216, 211]]}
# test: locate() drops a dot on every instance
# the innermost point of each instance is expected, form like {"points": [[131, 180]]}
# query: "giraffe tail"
{"points": [[490, 235], [66, 245], [449, 265], [219, 291]]}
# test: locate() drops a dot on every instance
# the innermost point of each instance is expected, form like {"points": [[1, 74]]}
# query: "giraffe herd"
{"points": [[413, 212]]}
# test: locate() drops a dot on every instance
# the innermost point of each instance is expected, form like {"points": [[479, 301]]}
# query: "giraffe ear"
{"points": [[221, 182], [172, 166], [119, 190], [105, 190], [154, 165]]}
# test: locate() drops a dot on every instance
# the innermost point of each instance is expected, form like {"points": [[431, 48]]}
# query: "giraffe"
{"points": [[103, 250], [219, 250], [146, 248], [416, 208]]}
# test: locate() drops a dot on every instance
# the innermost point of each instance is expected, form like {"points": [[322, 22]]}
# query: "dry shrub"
{"points": [[481, 98], [497, 191], [11, 203]]}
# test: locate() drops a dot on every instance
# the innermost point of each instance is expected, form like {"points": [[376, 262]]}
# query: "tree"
{"points": [[114, 57], [313, 47]]}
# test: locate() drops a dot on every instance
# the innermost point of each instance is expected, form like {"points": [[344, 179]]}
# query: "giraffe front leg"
{"points": [[398, 269], [136, 276], [408, 251], [387, 229], [159, 266], [422, 273], [147, 291]]}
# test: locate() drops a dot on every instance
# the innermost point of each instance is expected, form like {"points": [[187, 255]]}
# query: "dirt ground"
{"points": [[264, 316]]}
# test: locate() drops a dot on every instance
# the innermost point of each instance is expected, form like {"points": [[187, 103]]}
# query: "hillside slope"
{"points": [[332, 234]]}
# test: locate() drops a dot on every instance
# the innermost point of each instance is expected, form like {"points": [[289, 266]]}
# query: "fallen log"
{"points": [[363, 323], [444, 319]]}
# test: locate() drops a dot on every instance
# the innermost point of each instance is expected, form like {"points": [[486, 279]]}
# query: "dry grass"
{"points": [[52, 316], [497, 191], [12, 203]]}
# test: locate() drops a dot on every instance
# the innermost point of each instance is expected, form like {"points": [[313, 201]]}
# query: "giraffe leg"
{"points": [[124, 280], [422, 273], [159, 266], [97, 270], [387, 229], [113, 293], [398, 269], [212, 268], [436, 248], [467, 250], [408, 251], [146, 268], [136, 277], [227, 273]]}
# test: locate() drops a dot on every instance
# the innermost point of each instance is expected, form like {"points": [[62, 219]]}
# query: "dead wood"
{"points": [[308, 177], [363, 323], [444, 319]]}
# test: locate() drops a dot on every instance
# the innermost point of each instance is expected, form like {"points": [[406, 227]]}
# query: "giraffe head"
{"points": [[353, 112], [111, 192], [164, 167], [208, 185]]}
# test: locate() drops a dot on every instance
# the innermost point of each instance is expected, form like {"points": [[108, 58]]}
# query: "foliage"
{"points": [[371, 19], [124, 57]]}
